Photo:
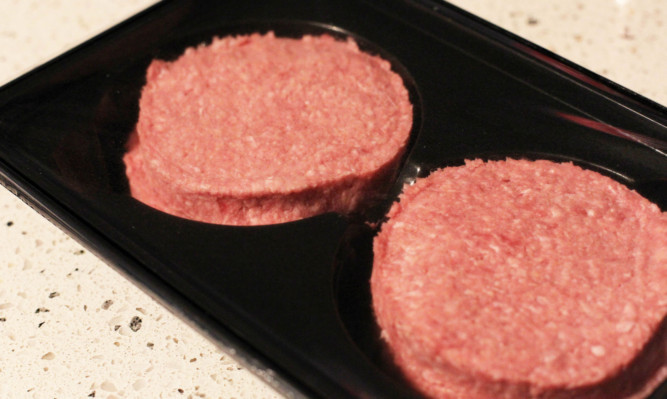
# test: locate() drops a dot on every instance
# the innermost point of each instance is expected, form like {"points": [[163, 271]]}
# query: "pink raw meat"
{"points": [[524, 279], [257, 129]]}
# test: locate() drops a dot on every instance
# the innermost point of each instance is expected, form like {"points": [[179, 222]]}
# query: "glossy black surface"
{"points": [[293, 299]]}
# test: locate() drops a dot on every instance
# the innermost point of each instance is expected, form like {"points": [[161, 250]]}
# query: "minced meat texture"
{"points": [[259, 129], [524, 279]]}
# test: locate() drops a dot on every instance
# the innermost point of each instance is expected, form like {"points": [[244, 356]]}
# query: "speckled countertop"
{"points": [[71, 327]]}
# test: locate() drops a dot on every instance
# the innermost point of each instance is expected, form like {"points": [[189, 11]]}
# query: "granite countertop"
{"points": [[71, 327]]}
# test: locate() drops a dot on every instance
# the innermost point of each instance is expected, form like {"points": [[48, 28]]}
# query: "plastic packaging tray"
{"points": [[292, 300]]}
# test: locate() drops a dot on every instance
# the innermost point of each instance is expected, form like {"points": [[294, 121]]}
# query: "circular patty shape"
{"points": [[257, 116], [523, 279]]}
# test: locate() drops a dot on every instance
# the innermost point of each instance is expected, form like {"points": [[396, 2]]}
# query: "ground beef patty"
{"points": [[257, 129], [524, 279]]}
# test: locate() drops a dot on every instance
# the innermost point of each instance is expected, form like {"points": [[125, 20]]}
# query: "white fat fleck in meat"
{"points": [[598, 350]]}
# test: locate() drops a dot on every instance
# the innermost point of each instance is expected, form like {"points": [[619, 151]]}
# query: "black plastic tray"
{"points": [[293, 299]]}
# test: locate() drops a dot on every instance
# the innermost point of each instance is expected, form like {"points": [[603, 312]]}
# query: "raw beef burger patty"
{"points": [[257, 129], [524, 279]]}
